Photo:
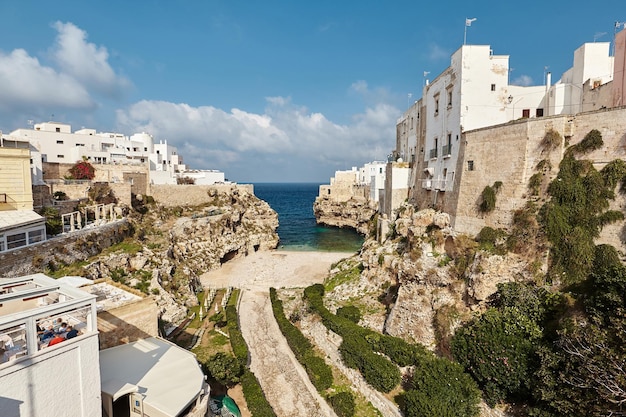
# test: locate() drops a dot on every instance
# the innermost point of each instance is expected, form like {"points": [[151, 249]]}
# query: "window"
{"points": [[449, 98], [493, 87], [59, 142], [80, 144], [380, 170], [35, 236], [526, 113], [15, 241], [60, 156], [2, 245], [436, 97], [539, 113], [58, 129], [470, 165], [145, 149]]}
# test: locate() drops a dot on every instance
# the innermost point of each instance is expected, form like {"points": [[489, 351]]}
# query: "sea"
{"points": [[297, 228]]}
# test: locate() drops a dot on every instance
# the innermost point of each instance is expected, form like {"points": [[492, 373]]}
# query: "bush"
{"points": [[60, 196], [54, 223], [591, 142], [440, 388], [352, 313], [551, 140], [343, 404], [488, 203], [82, 170], [224, 368], [255, 399], [497, 350], [319, 372], [237, 342]]}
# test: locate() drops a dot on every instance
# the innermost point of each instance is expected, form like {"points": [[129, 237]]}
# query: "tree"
{"points": [[224, 368]]}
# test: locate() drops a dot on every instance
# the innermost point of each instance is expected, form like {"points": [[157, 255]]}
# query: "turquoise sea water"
{"points": [[297, 228]]}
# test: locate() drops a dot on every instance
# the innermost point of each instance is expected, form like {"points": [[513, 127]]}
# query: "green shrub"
{"points": [[54, 224], [591, 142], [237, 342], [534, 183], [224, 368], [488, 197], [439, 388], [255, 398], [343, 404], [352, 313], [551, 140], [497, 350], [316, 368]]}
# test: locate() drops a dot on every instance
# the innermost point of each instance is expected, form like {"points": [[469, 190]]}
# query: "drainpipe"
{"points": [[548, 85]]}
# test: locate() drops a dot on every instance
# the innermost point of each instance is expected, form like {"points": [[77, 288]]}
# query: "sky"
{"points": [[271, 91]]}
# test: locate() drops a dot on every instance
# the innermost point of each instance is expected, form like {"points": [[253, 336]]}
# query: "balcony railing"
{"points": [[433, 153], [446, 150]]}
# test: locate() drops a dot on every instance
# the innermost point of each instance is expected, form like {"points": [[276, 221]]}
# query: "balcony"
{"points": [[446, 151], [32, 311], [433, 153], [427, 184]]}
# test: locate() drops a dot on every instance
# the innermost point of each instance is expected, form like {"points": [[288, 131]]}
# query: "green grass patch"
{"points": [[350, 271]]}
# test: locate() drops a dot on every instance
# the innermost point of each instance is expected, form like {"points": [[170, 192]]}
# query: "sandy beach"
{"points": [[265, 269]]}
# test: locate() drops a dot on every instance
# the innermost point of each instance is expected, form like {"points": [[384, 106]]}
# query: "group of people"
{"points": [[56, 333]]}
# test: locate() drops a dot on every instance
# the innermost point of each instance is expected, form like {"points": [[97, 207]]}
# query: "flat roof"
{"points": [[14, 218], [169, 377]]}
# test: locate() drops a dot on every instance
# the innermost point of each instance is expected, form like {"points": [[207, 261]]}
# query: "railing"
{"points": [[433, 153], [446, 150]]}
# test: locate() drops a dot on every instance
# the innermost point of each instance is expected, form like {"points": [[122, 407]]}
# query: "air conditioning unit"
{"points": [[428, 184]]}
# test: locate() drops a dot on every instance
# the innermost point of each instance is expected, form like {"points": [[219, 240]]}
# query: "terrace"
{"points": [[33, 307]]}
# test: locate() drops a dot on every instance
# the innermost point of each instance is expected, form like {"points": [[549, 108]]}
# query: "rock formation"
{"points": [[355, 212]]}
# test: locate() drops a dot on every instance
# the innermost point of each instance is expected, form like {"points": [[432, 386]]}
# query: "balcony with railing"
{"points": [[433, 153], [38, 312], [446, 151]]}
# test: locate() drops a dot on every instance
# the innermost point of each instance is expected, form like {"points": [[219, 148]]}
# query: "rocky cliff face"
{"points": [[355, 212], [422, 279], [174, 245]]}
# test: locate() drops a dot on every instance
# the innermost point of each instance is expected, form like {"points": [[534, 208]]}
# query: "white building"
{"points": [[372, 175], [55, 142], [152, 377], [474, 92], [36, 378]]}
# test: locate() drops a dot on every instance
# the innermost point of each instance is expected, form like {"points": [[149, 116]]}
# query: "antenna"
{"points": [[426, 75], [598, 35]]}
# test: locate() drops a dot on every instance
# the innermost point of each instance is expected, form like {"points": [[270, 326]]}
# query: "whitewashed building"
{"points": [[55, 142], [38, 377]]}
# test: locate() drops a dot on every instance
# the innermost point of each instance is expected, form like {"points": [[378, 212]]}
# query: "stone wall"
{"points": [[128, 323], [510, 154], [62, 250], [80, 190], [191, 195]]}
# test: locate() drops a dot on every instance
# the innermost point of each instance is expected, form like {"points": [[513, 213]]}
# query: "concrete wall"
{"points": [[15, 180], [128, 323], [121, 190], [191, 195], [63, 380]]}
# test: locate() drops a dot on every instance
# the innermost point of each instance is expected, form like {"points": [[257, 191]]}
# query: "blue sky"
{"points": [[272, 91]]}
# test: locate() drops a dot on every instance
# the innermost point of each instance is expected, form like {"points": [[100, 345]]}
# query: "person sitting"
{"points": [[71, 332], [55, 340], [62, 328], [47, 334]]}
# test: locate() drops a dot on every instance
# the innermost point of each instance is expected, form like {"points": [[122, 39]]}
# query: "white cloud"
{"points": [[523, 80], [242, 143], [85, 61], [25, 83]]}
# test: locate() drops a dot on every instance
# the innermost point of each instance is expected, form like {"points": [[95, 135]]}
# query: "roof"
{"points": [[14, 218], [168, 376]]}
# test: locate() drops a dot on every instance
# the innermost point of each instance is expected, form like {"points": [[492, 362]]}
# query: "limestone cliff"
{"points": [[355, 212], [420, 279], [175, 244]]}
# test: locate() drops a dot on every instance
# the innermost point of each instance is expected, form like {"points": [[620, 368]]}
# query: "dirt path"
{"points": [[282, 378], [284, 381]]}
